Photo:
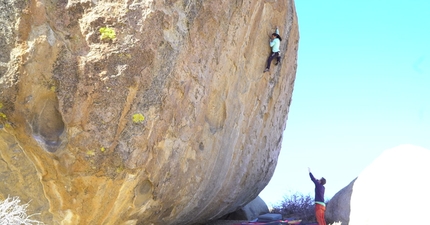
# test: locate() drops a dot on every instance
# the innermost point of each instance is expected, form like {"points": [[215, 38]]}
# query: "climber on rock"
{"points": [[274, 42]]}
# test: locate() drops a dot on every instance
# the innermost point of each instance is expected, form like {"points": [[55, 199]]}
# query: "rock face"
{"points": [[392, 190], [141, 112], [338, 209]]}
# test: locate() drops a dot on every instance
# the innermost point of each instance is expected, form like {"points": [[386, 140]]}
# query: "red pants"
{"points": [[319, 213]]}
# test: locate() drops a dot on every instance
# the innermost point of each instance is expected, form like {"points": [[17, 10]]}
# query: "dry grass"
{"points": [[12, 212]]}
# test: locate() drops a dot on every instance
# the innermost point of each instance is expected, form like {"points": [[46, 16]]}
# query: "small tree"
{"points": [[12, 213]]}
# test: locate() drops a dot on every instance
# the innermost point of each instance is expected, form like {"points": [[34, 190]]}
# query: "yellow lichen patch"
{"points": [[125, 56], [2, 115], [138, 118], [102, 149], [119, 169], [107, 33], [91, 153]]}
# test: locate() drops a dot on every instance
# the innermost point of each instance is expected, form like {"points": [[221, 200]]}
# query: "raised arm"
{"points": [[312, 176]]}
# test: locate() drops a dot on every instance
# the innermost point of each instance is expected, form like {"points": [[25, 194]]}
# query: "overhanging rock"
{"points": [[141, 112]]}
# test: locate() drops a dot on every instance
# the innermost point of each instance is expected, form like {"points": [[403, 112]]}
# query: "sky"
{"points": [[362, 86]]}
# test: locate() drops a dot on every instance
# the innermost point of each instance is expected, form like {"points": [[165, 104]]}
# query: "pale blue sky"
{"points": [[362, 86]]}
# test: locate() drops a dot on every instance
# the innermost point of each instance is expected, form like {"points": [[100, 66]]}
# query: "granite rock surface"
{"points": [[141, 112]]}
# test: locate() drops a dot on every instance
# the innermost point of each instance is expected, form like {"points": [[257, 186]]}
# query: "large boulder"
{"points": [[250, 211], [392, 190], [141, 112], [338, 208]]}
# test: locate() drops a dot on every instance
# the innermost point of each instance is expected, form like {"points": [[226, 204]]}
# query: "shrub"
{"points": [[12, 213], [298, 206]]}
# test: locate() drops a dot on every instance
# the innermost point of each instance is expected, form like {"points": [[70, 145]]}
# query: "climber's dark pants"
{"points": [[271, 57]]}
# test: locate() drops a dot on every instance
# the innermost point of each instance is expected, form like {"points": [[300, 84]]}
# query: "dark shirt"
{"points": [[319, 189]]}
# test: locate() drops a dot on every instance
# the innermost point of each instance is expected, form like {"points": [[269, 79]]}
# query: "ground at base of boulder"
{"points": [[235, 222], [226, 222]]}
